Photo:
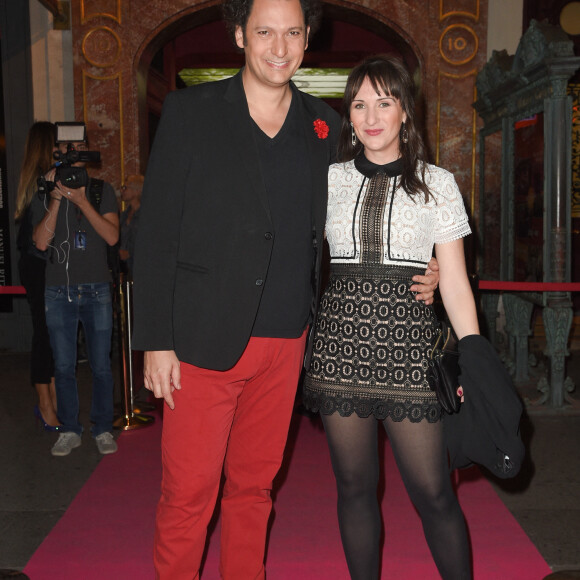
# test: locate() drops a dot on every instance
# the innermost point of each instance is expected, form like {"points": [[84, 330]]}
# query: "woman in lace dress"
{"points": [[387, 209]]}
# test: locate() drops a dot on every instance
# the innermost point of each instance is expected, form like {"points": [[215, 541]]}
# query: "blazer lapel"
{"points": [[318, 156]]}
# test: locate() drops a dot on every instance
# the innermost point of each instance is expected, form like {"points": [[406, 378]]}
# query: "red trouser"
{"points": [[236, 419]]}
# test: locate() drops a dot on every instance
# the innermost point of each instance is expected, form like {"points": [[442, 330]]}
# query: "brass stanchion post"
{"points": [[129, 420]]}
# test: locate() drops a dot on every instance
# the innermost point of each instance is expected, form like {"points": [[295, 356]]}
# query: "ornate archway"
{"points": [[114, 41]]}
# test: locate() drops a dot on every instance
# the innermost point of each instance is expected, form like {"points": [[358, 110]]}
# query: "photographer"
{"points": [[74, 219]]}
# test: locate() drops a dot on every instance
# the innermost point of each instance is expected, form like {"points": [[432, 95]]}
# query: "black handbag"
{"points": [[444, 369]]}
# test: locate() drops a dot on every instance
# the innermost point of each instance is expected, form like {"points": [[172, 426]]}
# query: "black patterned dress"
{"points": [[372, 339]]}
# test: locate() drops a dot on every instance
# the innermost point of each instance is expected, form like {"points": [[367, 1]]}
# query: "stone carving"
{"points": [[535, 82], [518, 315], [557, 323], [496, 72], [541, 41]]}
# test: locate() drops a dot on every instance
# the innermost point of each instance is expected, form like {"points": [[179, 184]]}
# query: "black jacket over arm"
{"points": [[486, 430], [203, 242]]}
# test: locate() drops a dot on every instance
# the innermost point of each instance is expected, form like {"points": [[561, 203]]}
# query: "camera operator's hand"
{"points": [[49, 177], [77, 196]]}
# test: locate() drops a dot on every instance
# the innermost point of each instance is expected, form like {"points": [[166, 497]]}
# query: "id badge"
{"points": [[80, 240]]}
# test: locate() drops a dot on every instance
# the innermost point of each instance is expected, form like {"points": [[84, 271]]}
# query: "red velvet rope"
{"points": [[483, 285], [12, 290], [530, 286]]}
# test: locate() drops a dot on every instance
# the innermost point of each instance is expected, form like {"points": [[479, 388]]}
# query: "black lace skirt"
{"points": [[371, 348]]}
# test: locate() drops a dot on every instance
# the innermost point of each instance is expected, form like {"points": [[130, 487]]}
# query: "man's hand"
{"points": [[427, 284], [162, 374]]}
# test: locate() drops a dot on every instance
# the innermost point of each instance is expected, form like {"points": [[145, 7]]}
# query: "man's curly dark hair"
{"points": [[237, 12]]}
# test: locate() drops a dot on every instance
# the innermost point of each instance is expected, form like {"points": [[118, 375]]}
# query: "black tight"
{"points": [[419, 451]]}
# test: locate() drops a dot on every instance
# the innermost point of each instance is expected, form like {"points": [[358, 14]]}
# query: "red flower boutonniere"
{"points": [[321, 128]]}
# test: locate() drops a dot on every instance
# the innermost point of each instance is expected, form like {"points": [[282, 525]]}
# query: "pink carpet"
{"points": [[107, 532]]}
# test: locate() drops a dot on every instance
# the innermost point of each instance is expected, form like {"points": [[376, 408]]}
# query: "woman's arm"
{"points": [[455, 288], [44, 230]]}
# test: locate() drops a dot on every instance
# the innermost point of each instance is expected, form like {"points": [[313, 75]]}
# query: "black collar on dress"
{"points": [[370, 169]]}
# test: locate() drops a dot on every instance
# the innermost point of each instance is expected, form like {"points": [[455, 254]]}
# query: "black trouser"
{"points": [[32, 276]]}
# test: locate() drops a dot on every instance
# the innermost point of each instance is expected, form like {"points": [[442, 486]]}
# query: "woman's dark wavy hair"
{"points": [[389, 76], [237, 12]]}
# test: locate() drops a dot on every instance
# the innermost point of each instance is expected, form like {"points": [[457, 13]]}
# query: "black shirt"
{"points": [[285, 306]]}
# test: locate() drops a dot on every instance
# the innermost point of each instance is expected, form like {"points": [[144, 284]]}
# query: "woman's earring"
{"points": [[353, 135], [404, 134]]}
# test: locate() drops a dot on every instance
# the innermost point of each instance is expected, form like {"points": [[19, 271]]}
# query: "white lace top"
{"points": [[410, 227]]}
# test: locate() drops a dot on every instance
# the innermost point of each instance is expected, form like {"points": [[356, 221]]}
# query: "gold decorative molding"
{"points": [[100, 8], [460, 8], [121, 132], [455, 48], [97, 42], [472, 73]]}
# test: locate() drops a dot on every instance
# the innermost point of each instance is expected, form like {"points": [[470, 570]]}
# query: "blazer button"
{"points": [[259, 282], [268, 235]]}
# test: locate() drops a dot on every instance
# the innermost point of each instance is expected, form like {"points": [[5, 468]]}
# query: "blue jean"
{"points": [[66, 306]]}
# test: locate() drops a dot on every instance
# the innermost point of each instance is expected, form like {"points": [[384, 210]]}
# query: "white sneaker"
{"points": [[105, 443], [65, 443]]}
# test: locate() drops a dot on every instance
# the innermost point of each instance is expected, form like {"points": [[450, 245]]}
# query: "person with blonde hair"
{"points": [[40, 145]]}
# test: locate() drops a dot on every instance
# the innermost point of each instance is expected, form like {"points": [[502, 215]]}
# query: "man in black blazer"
{"points": [[225, 282]]}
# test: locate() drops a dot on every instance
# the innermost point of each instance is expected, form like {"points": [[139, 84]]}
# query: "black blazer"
{"points": [[203, 246], [486, 430]]}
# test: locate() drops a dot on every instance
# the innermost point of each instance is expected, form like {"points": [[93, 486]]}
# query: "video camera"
{"points": [[71, 177]]}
